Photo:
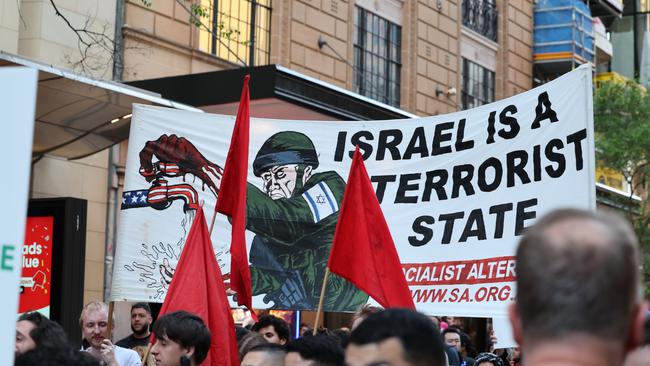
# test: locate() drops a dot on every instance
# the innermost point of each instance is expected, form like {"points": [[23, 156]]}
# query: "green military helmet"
{"points": [[287, 147]]}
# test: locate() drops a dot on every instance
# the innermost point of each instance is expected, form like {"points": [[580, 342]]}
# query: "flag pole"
{"points": [[320, 300], [212, 222], [146, 355], [111, 305]]}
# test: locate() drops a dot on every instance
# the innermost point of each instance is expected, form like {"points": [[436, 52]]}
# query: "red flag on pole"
{"points": [[363, 251], [197, 287], [232, 200]]}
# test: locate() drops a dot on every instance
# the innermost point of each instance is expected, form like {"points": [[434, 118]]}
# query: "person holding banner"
{"points": [[575, 267]]}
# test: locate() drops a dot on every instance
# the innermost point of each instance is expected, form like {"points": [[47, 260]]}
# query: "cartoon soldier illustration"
{"points": [[294, 219], [293, 216]]}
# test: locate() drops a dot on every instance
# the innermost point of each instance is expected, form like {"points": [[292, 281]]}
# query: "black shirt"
{"points": [[130, 342]]}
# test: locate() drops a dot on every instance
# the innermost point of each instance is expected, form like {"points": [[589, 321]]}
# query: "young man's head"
{"points": [[573, 266], [34, 330], [395, 337], [267, 354], [180, 334], [273, 329], [55, 356], [451, 337], [363, 313], [94, 323], [318, 350], [140, 319], [488, 359]]}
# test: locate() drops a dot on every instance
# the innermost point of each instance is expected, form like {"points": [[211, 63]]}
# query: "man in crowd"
{"points": [[395, 337], [273, 329], [362, 313], [182, 339], [55, 356], [318, 350], [269, 354], [574, 266], [453, 338], [140, 323], [34, 330], [95, 330]]}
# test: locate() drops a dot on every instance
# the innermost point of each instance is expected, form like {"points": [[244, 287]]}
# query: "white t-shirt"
{"points": [[125, 356]]}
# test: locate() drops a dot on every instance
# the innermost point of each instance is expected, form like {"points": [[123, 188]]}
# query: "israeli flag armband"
{"points": [[321, 201]]}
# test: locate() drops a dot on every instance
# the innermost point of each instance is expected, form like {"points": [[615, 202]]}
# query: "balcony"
{"points": [[481, 16]]}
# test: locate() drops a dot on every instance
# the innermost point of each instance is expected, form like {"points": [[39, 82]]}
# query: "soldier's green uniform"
{"points": [[294, 235]]}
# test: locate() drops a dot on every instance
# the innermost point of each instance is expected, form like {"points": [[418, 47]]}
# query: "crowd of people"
{"points": [[578, 303]]}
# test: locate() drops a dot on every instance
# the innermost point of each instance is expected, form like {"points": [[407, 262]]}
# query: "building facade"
{"points": [[425, 57]]}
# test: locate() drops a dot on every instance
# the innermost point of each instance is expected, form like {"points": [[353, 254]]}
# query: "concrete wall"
{"points": [[432, 42], [46, 37], [9, 23], [32, 29], [159, 42], [87, 179]]}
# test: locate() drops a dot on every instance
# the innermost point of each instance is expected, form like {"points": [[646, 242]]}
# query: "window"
{"points": [[478, 85], [239, 30], [377, 59], [481, 16]]}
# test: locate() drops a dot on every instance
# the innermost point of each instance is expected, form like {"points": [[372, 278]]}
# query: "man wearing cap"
{"points": [[294, 217]]}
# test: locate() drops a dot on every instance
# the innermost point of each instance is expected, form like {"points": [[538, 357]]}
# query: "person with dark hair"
{"points": [[180, 336], [343, 334], [273, 329], [140, 323], [305, 329], [573, 267], [395, 337], [315, 350], [454, 338], [35, 330], [267, 354], [55, 356], [248, 342], [488, 359]]}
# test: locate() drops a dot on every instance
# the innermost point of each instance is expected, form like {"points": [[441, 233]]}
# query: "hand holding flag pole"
{"points": [[362, 238]]}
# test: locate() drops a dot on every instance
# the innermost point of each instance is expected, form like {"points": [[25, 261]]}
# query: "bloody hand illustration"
{"points": [[177, 157]]}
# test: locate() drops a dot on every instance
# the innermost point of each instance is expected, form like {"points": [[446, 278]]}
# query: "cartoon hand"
{"points": [[166, 271], [177, 157]]}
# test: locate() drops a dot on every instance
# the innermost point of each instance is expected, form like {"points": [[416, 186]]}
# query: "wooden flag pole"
{"points": [[111, 305], [146, 355], [212, 222], [320, 300]]}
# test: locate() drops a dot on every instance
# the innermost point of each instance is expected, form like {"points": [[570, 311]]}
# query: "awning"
{"points": [[77, 116], [275, 91]]}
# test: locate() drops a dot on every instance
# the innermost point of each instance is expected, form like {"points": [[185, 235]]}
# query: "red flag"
{"points": [[197, 287], [363, 251], [232, 200]]}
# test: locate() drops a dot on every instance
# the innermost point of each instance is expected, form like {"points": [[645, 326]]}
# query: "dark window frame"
{"points": [[377, 57], [481, 16], [234, 46], [478, 85]]}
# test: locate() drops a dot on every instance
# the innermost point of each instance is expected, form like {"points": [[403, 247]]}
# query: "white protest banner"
{"points": [[456, 190], [17, 102]]}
